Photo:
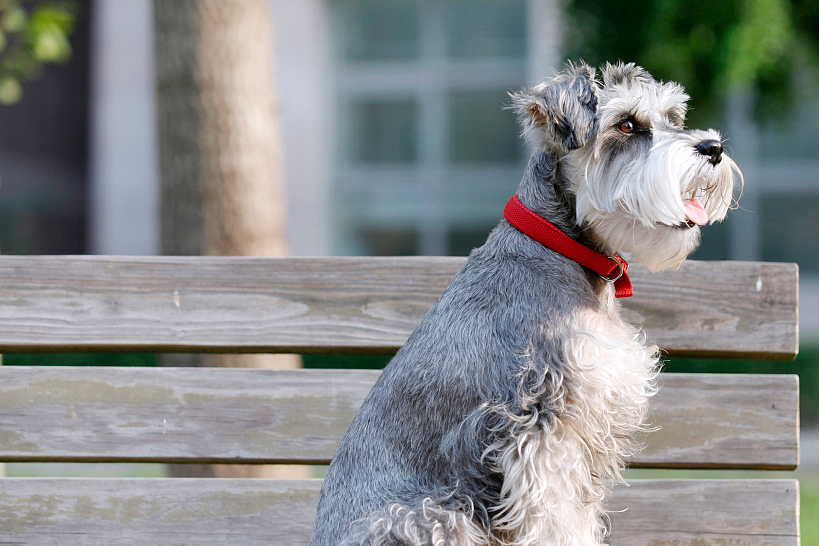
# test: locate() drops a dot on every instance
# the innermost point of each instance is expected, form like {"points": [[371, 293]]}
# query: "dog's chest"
{"points": [[609, 372]]}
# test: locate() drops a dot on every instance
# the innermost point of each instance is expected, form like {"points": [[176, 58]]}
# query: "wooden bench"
{"points": [[346, 305]]}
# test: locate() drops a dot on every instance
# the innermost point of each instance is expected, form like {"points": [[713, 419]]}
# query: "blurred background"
{"points": [[392, 124]]}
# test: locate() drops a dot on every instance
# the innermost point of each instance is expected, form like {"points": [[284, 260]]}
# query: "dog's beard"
{"points": [[637, 205], [657, 248]]}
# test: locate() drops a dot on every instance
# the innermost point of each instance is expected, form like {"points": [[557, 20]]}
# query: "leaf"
{"points": [[14, 19], [758, 41], [49, 15], [51, 45], [10, 90]]}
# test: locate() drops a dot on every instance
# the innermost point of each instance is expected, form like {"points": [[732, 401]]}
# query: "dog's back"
{"points": [[417, 442]]}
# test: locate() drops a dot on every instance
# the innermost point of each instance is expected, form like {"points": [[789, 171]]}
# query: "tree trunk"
{"points": [[220, 154]]}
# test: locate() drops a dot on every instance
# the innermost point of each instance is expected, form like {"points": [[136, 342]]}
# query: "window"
{"points": [[789, 224], [486, 28], [480, 130], [390, 242], [462, 240], [377, 31], [427, 148], [714, 242], [383, 131]]}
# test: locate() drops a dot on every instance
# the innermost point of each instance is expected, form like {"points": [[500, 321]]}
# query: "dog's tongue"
{"points": [[695, 212]]}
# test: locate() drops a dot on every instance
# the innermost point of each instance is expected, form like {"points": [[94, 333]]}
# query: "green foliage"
{"points": [[347, 362], [33, 33], [80, 359], [758, 41], [709, 47]]}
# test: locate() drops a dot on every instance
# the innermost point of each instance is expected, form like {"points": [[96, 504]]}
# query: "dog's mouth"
{"points": [[688, 224], [695, 215], [682, 226]]}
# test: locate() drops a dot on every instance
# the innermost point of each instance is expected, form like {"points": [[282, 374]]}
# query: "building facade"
{"points": [[396, 136]]}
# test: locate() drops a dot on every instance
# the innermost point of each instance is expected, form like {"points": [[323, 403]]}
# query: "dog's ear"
{"points": [[558, 115]]}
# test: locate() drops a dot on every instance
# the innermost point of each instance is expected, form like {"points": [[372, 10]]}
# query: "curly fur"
{"points": [[429, 523], [556, 472], [506, 417]]}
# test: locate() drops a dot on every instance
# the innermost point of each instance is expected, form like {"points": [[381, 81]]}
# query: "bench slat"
{"points": [[353, 305], [43, 511], [212, 415]]}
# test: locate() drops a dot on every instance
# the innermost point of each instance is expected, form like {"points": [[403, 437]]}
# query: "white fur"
{"points": [[556, 474], [430, 525], [634, 204]]}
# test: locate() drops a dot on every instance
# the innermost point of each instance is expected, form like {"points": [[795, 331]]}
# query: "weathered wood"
{"points": [[723, 421], [723, 309], [266, 416], [113, 512], [360, 305], [705, 512], [286, 416]]}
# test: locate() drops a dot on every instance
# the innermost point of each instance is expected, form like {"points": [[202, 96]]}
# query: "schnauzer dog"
{"points": [[507, 415]]}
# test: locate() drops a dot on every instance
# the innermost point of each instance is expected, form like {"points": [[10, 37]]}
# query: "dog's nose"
{"points": [[711, 148]]}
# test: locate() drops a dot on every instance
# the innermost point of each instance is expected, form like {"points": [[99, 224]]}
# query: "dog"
{"points": [[507, 416]]}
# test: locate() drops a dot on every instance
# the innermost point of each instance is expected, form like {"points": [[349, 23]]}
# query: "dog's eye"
{"points": [[628, 127]]}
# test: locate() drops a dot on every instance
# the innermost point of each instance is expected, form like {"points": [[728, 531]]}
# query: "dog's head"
{"points": [[643, 184]]}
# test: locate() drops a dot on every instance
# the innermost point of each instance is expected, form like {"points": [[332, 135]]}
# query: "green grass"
{"points": [[85, 470], [809, 495]]}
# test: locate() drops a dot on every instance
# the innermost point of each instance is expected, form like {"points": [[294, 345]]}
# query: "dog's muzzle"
{"points": [[711, 149]]}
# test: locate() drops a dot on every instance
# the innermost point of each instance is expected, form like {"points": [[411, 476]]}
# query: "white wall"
{"points": [[124, 214], [545, 38], [303, 56]]}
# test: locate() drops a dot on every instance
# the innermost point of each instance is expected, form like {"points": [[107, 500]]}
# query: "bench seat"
{"points": [[210, 512], [54, 304]]}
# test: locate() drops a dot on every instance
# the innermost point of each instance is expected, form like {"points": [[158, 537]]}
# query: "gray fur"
{"points": [[487, 363], [422, 430], [562, 110]]}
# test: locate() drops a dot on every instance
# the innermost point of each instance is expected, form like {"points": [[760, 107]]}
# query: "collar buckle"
{"points": [[619, 261]]}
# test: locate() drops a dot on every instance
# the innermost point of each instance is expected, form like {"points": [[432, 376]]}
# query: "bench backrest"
{"points": [[349, 305]]}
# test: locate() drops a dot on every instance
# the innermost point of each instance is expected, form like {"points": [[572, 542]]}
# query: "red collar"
{"points": [[612, 269]]}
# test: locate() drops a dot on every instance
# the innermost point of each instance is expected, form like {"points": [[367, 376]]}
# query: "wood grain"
{"points": [[114, 512], [705, 512], [716, 308], [209, 415], [352, 305], [723, 421]]}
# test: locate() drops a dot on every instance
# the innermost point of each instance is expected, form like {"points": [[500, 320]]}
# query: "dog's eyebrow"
{"points": [[620, 109], [638, 116]]}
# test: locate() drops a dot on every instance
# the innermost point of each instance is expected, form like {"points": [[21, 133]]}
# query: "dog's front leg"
{"points": [[549, 495], [561, 444]]}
